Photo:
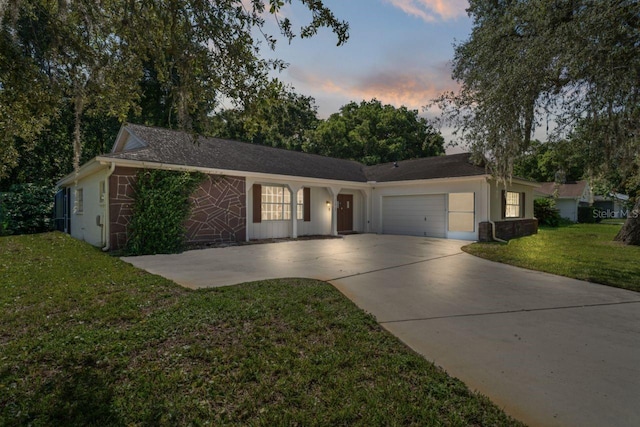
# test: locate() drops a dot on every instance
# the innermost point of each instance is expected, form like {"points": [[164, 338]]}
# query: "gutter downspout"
{"points": [[493, 224], [106, 228]]}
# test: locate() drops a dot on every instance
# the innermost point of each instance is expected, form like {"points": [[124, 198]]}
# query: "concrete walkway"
{"points": [[549, 350]]}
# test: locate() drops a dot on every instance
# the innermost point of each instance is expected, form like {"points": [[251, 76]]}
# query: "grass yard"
{"points": [[582, 251], [86, 339]]}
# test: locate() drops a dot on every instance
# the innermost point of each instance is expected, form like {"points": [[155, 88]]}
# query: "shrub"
{"points": [[26, 209], [160, 210], [586, 214], [546, 212]]}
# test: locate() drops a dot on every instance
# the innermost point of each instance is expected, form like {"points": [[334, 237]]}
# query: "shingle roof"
{"points": [[568, 190], [181, 148], [454, 165]]}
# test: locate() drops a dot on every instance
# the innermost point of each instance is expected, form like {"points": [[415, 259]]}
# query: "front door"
{"points": [[345, 212]]}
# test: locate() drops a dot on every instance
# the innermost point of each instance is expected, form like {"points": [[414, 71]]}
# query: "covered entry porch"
{"points": [[289, 209]]}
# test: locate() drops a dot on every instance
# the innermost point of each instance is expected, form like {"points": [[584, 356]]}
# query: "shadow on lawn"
{"points": [[80, 395]]}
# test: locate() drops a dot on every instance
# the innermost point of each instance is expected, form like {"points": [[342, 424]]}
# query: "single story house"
{"points": [[257, 192], [613, 205], [568, 196]]}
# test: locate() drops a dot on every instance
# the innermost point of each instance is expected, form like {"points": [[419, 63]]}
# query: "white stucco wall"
{"points": [[84, 224], [496, 200], [320, 223], [568, 208]]}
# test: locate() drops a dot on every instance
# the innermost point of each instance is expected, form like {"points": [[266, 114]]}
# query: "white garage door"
{"points": [[414, 215]]}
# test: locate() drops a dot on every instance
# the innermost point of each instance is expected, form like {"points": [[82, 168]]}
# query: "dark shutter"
{"points": [[504, 204], [522, 205], [257, 203], [306, 195]]}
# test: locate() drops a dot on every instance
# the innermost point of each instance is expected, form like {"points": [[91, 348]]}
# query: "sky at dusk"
{"points": [[399, 51]]}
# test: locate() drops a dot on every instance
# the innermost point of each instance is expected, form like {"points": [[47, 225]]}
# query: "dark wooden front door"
{"points": [[345, 212]]}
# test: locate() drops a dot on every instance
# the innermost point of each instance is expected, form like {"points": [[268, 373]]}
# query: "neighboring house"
{"points": [[614, 205], [257, 192], [568, 196]]}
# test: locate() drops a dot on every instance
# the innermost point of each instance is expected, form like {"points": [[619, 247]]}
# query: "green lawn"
{"points": [[86, 339], [582, 251]]}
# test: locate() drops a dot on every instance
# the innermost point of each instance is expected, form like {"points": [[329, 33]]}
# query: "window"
{"points": [[276, 203], [300, 204], [79, 203], [462, 212], [513, 204]]}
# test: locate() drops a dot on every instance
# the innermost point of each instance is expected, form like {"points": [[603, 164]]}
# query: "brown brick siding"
{"points": [[507, 230], [218, 209], [121, 197]]}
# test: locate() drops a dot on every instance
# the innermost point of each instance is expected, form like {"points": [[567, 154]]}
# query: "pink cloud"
{"points": [[411, 88], [432, 10]]}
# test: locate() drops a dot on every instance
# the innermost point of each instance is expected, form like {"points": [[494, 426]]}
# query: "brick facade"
{"points": [[121, 197], [507, 230], [218, 213]]}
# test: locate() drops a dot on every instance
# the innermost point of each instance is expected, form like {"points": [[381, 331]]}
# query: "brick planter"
{"points": [[507, 230]]}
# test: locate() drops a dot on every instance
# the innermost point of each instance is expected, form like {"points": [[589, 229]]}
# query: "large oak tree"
{"points": [[277, 116], [371, 133], [570, 67], [171, 61]]}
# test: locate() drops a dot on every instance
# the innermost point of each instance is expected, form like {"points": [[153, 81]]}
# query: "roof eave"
{"points": [[429, 180], [229, 172], [91, 167]]}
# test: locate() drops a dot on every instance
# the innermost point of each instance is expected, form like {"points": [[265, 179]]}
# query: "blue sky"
{"points": [[399, 51]]}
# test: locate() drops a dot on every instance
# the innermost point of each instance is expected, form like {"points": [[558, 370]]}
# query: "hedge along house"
{"points": [[258, 192]]}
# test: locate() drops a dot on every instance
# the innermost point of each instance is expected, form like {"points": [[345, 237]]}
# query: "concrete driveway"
{"points": [[549, 350]]}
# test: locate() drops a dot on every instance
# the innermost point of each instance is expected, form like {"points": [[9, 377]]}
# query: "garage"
{"points": [[422, 215]]}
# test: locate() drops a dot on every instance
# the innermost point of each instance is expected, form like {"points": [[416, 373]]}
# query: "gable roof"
{"points": [[618, 197], [184, 149], [568, 190], [158, 145]]}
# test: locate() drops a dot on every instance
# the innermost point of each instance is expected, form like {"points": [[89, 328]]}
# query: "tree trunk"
{"points": [[77, 132], [630, 232]]}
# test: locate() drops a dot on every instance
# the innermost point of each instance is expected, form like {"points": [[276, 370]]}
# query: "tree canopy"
{"points": [[372, 133], [549, 161], [277, 116], [570, 66], [537, 63], [167, 61]]}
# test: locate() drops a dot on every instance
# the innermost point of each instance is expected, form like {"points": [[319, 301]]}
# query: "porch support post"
{"points": [[333, 192], [366, 207], [294, 209]]}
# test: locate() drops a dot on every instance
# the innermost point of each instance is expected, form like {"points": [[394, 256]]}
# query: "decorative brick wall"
{"points": [[507, 230], [218, 213], [121, 197]]}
